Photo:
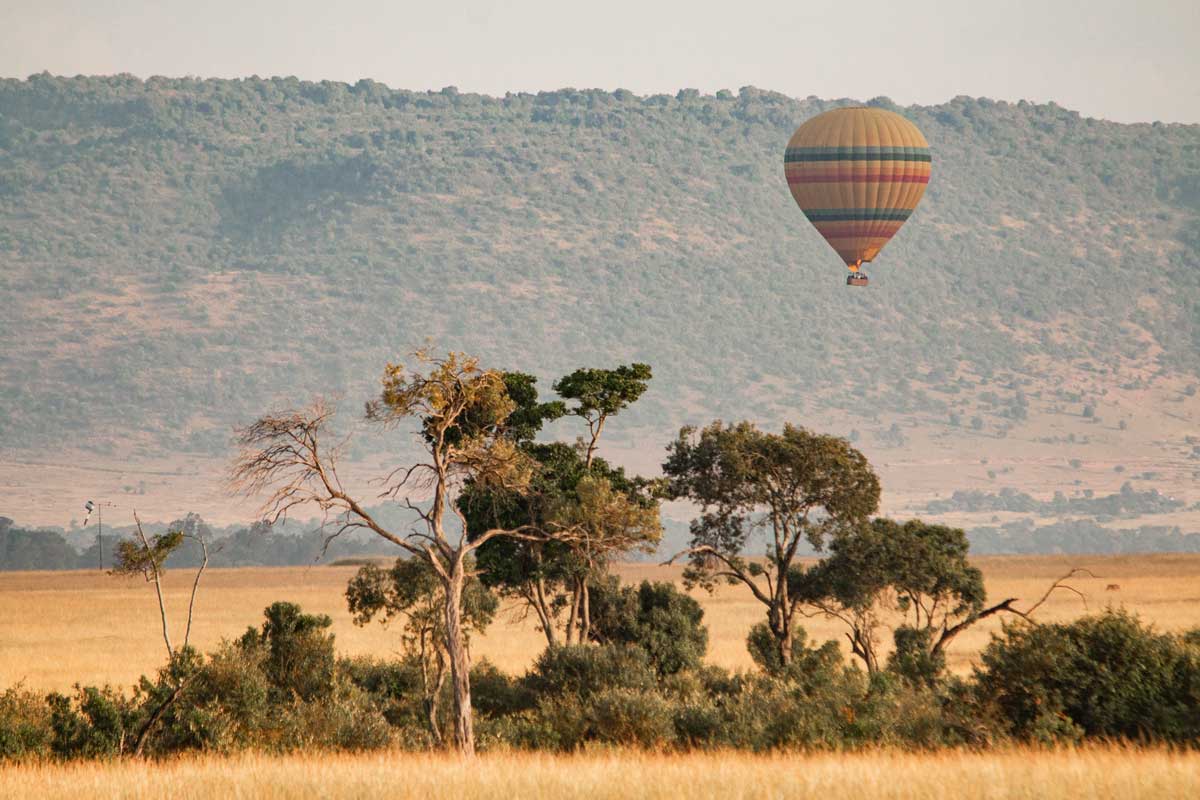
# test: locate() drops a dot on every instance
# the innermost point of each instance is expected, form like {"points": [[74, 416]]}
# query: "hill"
{"points": [[179, 254]]}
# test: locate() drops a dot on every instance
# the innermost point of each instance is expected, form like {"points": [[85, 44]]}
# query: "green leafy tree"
{"points": [[792, 486], [600, 394], [604, 522], [916, 569], [412, 590], [572, 489], [547, 576]]}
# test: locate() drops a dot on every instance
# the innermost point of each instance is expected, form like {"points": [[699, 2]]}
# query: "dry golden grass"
{"points": [[1100, 772], [57, 628]]}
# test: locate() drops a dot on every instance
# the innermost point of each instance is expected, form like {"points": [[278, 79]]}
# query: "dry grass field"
{"points": [[57, 628], [1100, 773]]}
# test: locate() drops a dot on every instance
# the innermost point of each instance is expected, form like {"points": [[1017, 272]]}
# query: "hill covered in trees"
{"points": [[180, 254]]}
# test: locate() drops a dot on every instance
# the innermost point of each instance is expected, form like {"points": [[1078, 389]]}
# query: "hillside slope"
{"points": [[180, 254]]}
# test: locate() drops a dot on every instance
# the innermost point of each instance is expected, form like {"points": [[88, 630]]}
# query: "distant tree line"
{"points": [[1128, 502], [1080, 536], [248, 546]]}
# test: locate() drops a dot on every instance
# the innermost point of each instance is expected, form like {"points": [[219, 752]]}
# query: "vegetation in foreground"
{"points": [[1099, 771], [281, 687], [623, 666]]}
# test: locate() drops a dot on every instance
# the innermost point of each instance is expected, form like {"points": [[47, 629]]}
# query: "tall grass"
{"points": [[1064, 774]]}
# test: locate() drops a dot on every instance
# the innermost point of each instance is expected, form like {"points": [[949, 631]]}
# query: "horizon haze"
{"points": [[1118, 61]]}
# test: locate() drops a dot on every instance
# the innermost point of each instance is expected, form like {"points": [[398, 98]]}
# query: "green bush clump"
{"points": [[808, 664], [225, 704], [583, 670], [495, 694], [25, 728], [913, 658], [1100, 676], [92, 723], [298, 653], [345, 718], [663, 621]]}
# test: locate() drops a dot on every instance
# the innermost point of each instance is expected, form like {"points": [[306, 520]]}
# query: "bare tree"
{"points": [[459, 410]]}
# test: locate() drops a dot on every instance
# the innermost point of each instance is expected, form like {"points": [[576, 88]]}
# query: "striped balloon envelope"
{"points": [[857, 174]]}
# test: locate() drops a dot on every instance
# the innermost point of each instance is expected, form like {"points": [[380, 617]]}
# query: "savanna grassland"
{"points": [[1101, 772], [59, 628]]}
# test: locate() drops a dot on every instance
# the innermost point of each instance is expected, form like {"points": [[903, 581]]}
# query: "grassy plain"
{"points": [[1100, 773], [57, 628]]}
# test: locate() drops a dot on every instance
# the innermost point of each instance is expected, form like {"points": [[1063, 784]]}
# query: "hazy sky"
{"points": [[1135, 60]]}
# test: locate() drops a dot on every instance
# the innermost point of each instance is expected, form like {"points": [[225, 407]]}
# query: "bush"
{"points": [[912, 659], [583, 670], [769, 713], [657, 617], [386, 680], [897, 713], [496, 694], [344, 718], [299, 653], [809, 666], [629, 717], [225, 706], [95, 723], [25, 726], [1105, 675], [699, 723], [613, 716]]}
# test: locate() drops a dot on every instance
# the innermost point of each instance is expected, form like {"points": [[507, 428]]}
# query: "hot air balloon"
{"points": [[857, 173]]}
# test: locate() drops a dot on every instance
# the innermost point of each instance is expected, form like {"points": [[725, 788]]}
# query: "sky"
{"points": [[1130, 61]]}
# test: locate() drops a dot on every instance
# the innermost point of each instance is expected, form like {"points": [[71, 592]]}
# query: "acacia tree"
{"points": [[412, 590], [291, 457], [793, 486], [916, 569], [600, 394]]}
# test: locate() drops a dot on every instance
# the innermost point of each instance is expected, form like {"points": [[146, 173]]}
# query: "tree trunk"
{"points": [[781, 627], [432, 703], [592, 445], [460, 663], [785, 647], [585, 614], [543, 611], [573, 616]]}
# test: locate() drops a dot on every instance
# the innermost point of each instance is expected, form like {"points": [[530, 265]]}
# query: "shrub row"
{"points": [[281, 687]]}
